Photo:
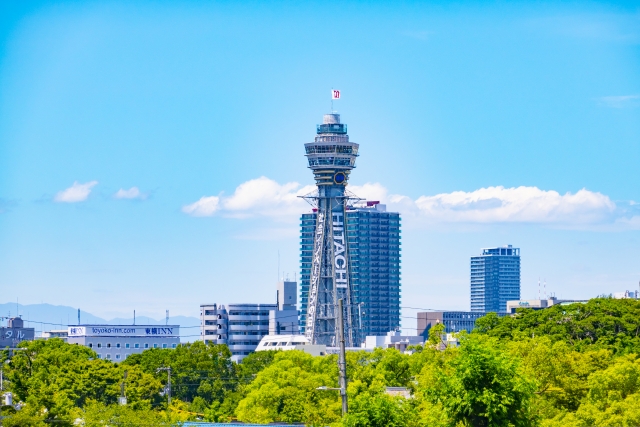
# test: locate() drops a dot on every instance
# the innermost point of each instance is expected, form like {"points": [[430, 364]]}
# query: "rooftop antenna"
{"points": [[332, 99], [545, 288], [78, 316], [166, 322], [134, 317]]}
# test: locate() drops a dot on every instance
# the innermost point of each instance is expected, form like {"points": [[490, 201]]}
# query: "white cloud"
{"points": [[516, 205], [620, 101], [257, 197], [265, 197], [132, 193], [76, 193], [206, 206]]}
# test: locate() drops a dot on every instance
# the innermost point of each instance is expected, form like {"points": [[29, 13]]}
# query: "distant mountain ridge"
{"points": [[45, 317]]}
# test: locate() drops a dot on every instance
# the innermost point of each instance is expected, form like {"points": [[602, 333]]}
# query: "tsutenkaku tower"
{"points": [[331, 158]]}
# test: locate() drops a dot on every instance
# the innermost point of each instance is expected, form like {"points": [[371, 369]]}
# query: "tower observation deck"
{"points": [[331, 157]]}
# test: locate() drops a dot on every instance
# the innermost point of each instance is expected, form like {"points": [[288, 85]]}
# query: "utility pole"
{"points": [[168, 369], [123, 398], [1, 398], [342, 360]]}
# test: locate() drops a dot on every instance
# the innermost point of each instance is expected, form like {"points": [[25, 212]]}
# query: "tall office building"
{"points": [[374, 256], [495, 279], [374, 242], [331, 157]]}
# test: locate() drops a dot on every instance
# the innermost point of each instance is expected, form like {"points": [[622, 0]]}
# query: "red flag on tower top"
{"points": [[335, 94]]}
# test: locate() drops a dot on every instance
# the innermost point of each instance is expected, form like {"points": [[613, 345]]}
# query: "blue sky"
{"points": [[151, 152]]}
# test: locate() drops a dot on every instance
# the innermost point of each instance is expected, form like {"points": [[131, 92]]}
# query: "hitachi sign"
{"points": [[339, 259]]}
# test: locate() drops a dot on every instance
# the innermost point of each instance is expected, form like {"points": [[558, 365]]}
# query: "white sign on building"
{"points": [[123, 331]]}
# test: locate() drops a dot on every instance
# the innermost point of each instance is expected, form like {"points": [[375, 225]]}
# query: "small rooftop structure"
{"points": [[507, 250], [56, 333], [393, 339], [15, 322], [290, 342], [538, 304], [398, 391], [626, 295]]}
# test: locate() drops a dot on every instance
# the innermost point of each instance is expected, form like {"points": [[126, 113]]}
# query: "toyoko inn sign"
{"points": [[124, 331]]}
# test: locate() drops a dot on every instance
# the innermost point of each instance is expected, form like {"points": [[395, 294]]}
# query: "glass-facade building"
{"points": [[495, 279], [374, 255]]}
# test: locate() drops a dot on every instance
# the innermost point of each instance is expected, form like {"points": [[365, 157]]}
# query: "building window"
{"points": [[108, 345], [164, 346], [90, 345], [99, 357], [126, 345], [173, 345], [155, 345], [108, 356], [99, 345], [118, 345], [146, 345], [117, 356], [137, 345]]}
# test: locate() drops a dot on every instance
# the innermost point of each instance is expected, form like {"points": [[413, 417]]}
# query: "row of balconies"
{"points": [[215, 341], [215, 312], [249, 317], [238, 347]]}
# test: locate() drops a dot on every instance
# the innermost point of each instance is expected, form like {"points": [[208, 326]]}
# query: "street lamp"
{"points": [[343, 395], [324, 387], [342, 363]]}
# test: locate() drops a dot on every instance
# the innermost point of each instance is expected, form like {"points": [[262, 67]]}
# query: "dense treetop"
{"points": [[573, 365], [606, 323]]}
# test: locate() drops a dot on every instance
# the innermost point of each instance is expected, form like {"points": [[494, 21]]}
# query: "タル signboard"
{"points": [[10, 337], [124, 331]]}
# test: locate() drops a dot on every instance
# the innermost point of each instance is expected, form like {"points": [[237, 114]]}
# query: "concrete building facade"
{"points": [[242, 326], [117, 342], [453, 321], [14, 333], [239, 326]]}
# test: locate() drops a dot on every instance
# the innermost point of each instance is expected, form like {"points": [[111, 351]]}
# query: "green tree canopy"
{"points": [[197, 369], [286, 391], [599, 323], [480, 385], [54, 379]]}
